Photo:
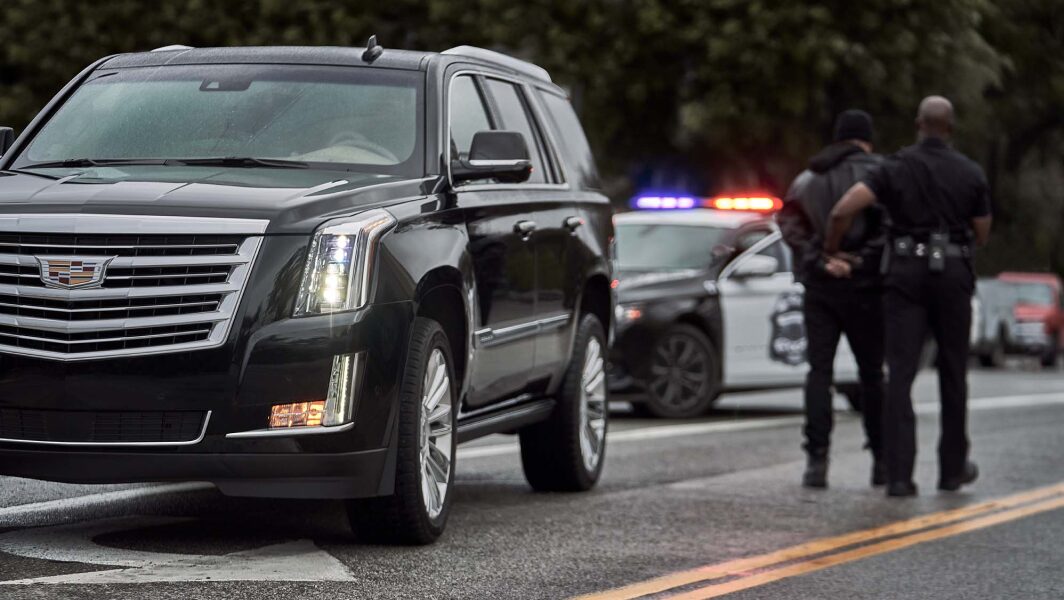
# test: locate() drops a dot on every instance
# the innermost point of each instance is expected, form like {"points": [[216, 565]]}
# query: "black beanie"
{"points": [[853, 124]]}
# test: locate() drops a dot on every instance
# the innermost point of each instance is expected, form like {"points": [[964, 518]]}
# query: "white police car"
{"points": [[707, 302]]}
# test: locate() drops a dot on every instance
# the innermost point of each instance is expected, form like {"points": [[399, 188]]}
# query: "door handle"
{"points": [[573, 223], [525, 228]]}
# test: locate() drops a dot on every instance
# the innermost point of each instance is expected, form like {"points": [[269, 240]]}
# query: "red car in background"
{"points": [[1038, 314]]}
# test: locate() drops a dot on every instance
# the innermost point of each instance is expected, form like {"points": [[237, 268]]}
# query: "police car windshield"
{"points": [[656, 247], [334, 118]]}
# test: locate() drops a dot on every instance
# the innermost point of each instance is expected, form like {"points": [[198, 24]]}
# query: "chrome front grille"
{"points": [[174, 287]]}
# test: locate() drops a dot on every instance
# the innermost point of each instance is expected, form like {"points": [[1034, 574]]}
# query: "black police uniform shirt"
{"points": [[931, 171]]}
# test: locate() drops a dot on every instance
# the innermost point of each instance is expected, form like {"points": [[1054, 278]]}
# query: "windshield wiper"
{"points": [[227, 161], [78, 163], [242, 161]]}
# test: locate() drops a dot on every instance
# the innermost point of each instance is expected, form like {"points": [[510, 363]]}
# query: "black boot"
{"points": [[969, 475], [879, 470], [901, 489], [816, 471]]}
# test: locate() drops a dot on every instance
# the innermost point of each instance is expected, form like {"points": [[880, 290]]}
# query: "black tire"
{"points": [[684, 377], [997, 355], [1049, 359], [404, 517], [986, 360], [553, 453]]}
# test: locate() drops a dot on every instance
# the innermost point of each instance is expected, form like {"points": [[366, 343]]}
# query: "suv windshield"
{"points": [[649, 247], [326, 117]]}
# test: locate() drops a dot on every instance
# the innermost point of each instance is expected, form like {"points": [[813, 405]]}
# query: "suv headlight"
{"points": [[339, 263]]}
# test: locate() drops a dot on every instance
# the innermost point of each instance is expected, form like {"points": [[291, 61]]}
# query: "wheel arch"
{"points": [[596, 299], [439, 297]]}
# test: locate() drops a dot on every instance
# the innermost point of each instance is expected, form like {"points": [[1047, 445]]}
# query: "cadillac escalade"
{"points": [[304, 273]]}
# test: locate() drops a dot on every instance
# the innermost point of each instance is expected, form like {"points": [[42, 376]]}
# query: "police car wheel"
{"points": [[684, 376]]}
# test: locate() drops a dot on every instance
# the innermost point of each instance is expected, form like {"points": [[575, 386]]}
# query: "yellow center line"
{"points": [[808, 549], [817, 564]]}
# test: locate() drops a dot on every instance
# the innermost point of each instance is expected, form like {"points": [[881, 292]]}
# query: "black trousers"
{"points": [[919, 301], [831, 311]]}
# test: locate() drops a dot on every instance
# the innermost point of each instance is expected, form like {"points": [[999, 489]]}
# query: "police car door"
{"points": [[764, 332], [764, 340]]}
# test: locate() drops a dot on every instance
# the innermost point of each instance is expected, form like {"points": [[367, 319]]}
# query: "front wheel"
{"points": [[684, 376], [416, 512], [565, 453], [994, 358]]}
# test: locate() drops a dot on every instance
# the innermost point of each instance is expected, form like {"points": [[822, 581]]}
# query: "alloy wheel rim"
{"points": [[435, 441], [593, 405], [679, 373]]}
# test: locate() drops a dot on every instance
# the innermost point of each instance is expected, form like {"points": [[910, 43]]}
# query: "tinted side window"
{"points": [[515, 118], [567, 130], [468, 114]]}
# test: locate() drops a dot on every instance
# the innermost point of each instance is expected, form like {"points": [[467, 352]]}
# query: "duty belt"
{"points": [[907, 246]]}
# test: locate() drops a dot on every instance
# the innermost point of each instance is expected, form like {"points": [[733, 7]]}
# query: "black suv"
{"points": [[304, 273]]}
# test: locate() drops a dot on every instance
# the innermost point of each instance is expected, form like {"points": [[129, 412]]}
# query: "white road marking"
{"points": [[1001, 402], [298, 560], [656, 432]]}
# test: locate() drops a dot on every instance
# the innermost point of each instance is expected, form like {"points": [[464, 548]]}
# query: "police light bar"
{"points": [[752, 203], [744, 203]]}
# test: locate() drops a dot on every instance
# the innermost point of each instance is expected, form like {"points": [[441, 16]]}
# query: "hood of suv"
{"points": [[293, 200]]}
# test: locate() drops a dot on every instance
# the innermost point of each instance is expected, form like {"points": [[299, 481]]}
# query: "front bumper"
{"points": [[285, 475], [1030, 339], [286, 361]]}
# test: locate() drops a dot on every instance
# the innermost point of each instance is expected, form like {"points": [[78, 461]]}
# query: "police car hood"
{"points": [[644, 286], [293, 200]]}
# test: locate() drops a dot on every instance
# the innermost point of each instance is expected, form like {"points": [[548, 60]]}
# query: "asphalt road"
{"points": [[674, 497]]}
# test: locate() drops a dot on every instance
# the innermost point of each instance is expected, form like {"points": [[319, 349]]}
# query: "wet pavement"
{"points": [[675, 496]]}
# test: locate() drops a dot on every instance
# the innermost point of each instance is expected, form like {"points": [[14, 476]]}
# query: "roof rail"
{"points": [[172, 48], [500, 59]]}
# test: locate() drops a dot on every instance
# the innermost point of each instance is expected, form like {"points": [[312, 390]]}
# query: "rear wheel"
{"points": [[684, 376], [1050, 358], [416, 512], [565, 453]]}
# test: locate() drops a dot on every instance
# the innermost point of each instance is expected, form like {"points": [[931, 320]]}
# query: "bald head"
{"points": [[935, 117]]}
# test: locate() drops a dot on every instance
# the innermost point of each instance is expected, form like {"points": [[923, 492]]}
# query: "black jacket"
{"points": [[804, 217]]}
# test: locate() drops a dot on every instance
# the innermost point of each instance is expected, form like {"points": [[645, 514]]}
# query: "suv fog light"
{"points": [[337, 409], [298, 414], [340, 403]]}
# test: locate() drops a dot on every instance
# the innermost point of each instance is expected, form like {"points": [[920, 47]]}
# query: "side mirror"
{"points": [[501, 155], [7, 139], [756, 266]]}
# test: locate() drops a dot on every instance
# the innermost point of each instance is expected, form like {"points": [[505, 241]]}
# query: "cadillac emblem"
{"points": [[70, 273]]}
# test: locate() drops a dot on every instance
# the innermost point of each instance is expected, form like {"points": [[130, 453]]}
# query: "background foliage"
{"points": [[705, 94]]}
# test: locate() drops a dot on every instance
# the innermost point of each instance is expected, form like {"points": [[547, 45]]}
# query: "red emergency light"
{"points": [[764, 204]]}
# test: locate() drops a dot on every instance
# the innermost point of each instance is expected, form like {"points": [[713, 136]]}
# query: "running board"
{"points": [[504, 420]]}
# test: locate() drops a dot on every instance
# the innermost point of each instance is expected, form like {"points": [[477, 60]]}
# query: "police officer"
{"points": [[939, 206], [840, 298]]}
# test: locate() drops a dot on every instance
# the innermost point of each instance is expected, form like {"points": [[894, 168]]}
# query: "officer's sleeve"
{"points": [[880, 180]]}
